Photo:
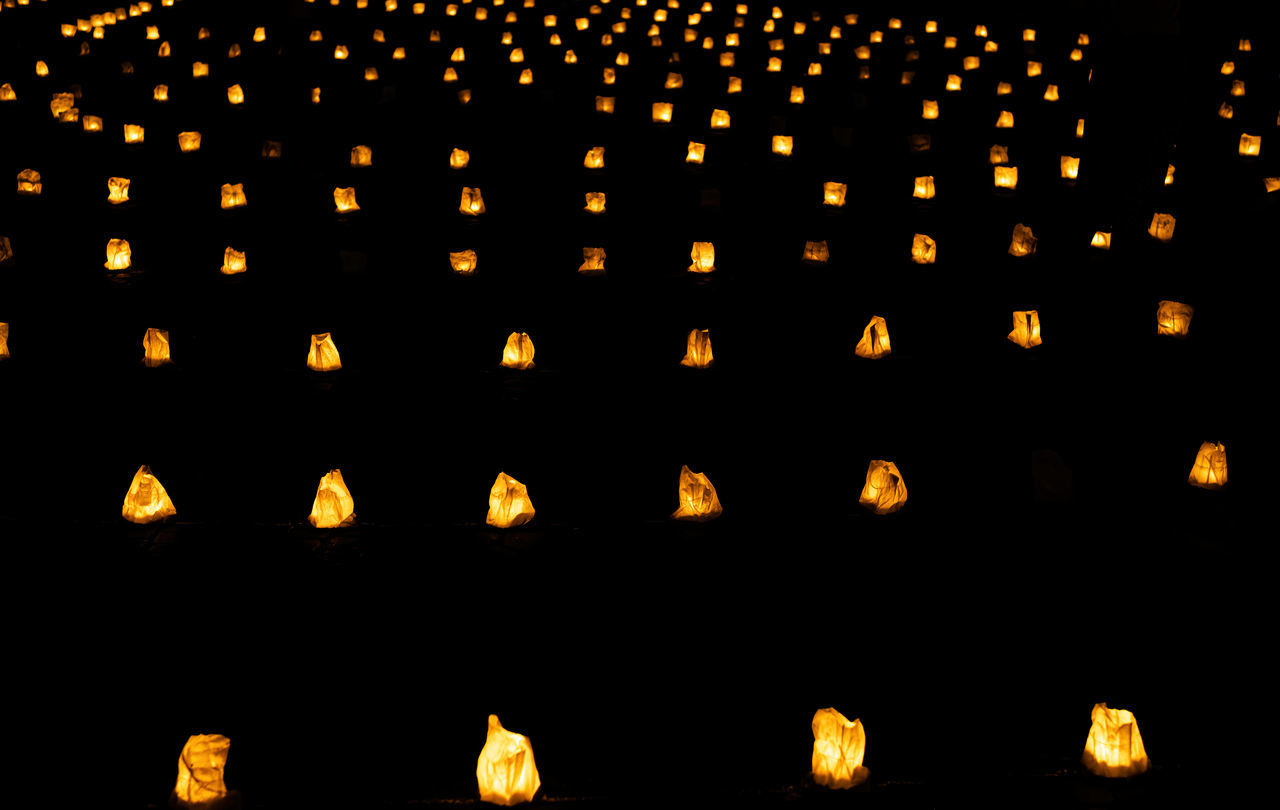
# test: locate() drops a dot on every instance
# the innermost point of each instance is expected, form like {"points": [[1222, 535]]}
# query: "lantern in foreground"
{"points": [[509, 503], [518, 351], [1023, 242], [884, 490], [233, 262], [696, 152], [1250, 145], [146, 501], [463, 262], [333, 506], [345, 200], [592, 261], [719, 119], [29, 184], [505, 770], [361, 155], [782, 144], [119, 256], [471, 203], [155, 348], [1210, 468], [923, 249], [594, 158], [703, 255], [697, 497], [1161, 226], [1173, 318], [233, 195], [595, 202], [875, 340], [833, 194], [1026, 328], [924, 188], [117, 190], [134, 133], [662, 112], [189, 141], [1070, 166], [1006, 176], [200, 768], [235, 94], [839, 744], [1114, 746], [323, 354], [698, 353]]}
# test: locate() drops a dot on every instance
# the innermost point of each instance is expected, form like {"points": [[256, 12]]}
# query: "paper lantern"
{"points": [[189, 141], [315, 95], [509, 503], [200, 767], [1168, 175], [953, 82], [1161, 226], [4, 327], [924, 188], [1210, 468], [839, 745], [1005, 121], [698, 353], [272, 150], [774, 65], [518, 351], [817, 252], [133, 133], [1225, 110], [41, 68], [92, 123], [604, 104], [971, 63], [333, 506], [361, 156], [235, 94], [884, 490], [696, 152], [463, 262], [1023, 242], [505, 770], [875, 340], [1237, 87], [1250, 145], [160, 92], [117, 190], [459, 158], [594, 158], [570, 58], [697, 498], [146, 502], [735, 85], [719, 119], [1070, 166], [526, 76], [323, 354], [662, 111], [929, 109], [345, 200], [60, 103], [472, 204], [199, 69], [1271, 184], [119, 256], [782, 144], [29, 184], [595, 202], [703, 255], [1114, 746], [233, 262], [6, 92], [923, 249], [233, 195], [1003, 88], [797, 94], [1006, 176], [833, 194], [155, 348], [259, 34], [592, 261], [234, 51], [998, 154], [1026, 328], [1051, 92], [1173, 318], [1101, 239]]}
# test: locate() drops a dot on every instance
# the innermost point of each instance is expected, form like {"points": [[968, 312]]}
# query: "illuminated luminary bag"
{"points": [[509, 503], [1210, 468], [333, 506], [505, 770], [146, 501], [875, 339], [1026, 328], [155, 348], [884, 490], [1114, 747], [200, 769], [839, 745], [323, 354], [697, 496], [518, 351], [1173, 318], [698, 352]]}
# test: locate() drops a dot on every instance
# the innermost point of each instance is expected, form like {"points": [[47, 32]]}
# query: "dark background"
{"points": [[971, 632]]}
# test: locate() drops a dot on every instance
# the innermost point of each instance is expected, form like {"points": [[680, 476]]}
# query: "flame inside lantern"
{"points": [[323, 354], [518, 351], [333, 506], [155, 348], [875, 339], [698, 351], [505, 770], [839, 745], [200, 767], [146, 501], [1173, 318], [1210, 468], [697, 497], [509, 503], [1114, 747], [884, 490]]}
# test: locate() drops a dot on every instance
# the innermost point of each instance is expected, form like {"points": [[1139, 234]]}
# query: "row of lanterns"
{"points": [[506, 773]]}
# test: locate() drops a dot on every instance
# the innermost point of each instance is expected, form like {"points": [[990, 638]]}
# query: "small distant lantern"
{"points": [[200, 768], [1101, 240], [340, 52], [1271, 184], [234, 51], [6, 92], [1162, 226], [839, 745], [463, 262], [674, 81], [518, 351], [875, 340], [459, 158], [971, 63], [526, 76], [199, 69], [155, 348], [259, 34], [517, 55], [1173, 318], [696, 152], [774, 65], [509, 503], [594, 158], [1237, 87], [333, 507], [1250, 145], [323, 354], [570, 58], [1210, 468], [609, 75], [833, 194], [471, 204], [697, 498], [595, 202], [1026, 328], [1023, 242], [924, 188], [1051, 93], [884, 491], [505, 770], [719, 119], [29, 184], [117, 190], [233, 195], [1168, 175], [735, 85], [119, 256], [316, 35], [953, 82], [703, 255], [949, 43], [1076, 55], [58, 104], [41, 68], [929, 109], [92, 123], [458, 55], [398, 54], [662, 111], [698, 350], [134, 133], [1225, 110], [160, 92], [361, 155], [999, 154], [1006, 176], [1070, 166], [604, 104], [592, 261], [816, 252], [147, 502], [1003, 88], [233, 262], [782, 144], [1114, 746], [189, 141], [923, 249], [1005, 121], [797, 94]]}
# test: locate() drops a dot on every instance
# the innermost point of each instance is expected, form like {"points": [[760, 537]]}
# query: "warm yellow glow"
{"points": [[999, 154], [1173, 318], [505, 770], [875, 340], [41, 68], [1228, 68], [609, 76], [1271, 184], [339, 51], [1051, 93], [1250, 145], [160, 92], [471, 203], [92, 123], [68, 30], [134, 133], [1114, 747], [316, 35], [949, 42], [1162, 226], [7, 93], [1070, 166], [517, 55], [782, 144], [189, 141], [726, 59], [816, 252], [698, 351], [463, 262], [333, 506], [1101, 239], [924, 188], [929, 109], [1028, 35], [29, 183], [199, 69], [458, 55], [155, 348], [719, 119], [971, 63], [595, 202], [1004, 89], [259, 34], [1005, 121], [1006, 176], [233, 195], [604, 104], [703, 255], [953, 82], [735, 84], [233, 262], [398, 53], [146, 502], [518, 351], [117, 190], [200, 765], [1023, 242], [233, 51], [662, 111], [459, 158], [119, 256], [59, 103], [1026, 328], [884, 490], [696, 152], [1076, 55], [323, 354], [923, 249], [594, 158], [592, 261], [673, 81], [1237, 88], [697, 497], [1210, 468], [931, 27], [862, 52], [526, 76], [839, 745], [371, 74], [833, 194], [570, 57], [1225, 110]]}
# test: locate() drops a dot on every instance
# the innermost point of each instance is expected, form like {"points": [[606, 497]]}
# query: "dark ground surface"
{"points": [[647, 661]]}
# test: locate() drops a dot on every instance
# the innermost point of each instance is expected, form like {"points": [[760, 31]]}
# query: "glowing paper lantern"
{"points": [[595, 202], [4, 327], [782, 144], [929, 109], [7, 93], [953, 82], [1210, 468], [119, 256], [509, 505], [698, 352], [594, 158], [29, 184], [323, 354], [471, 204], [117, 190], [1005, 121], [92, 123], [696, 152], [833, 194], [924, 188], [662, 111], [160, 92], [592, 261], [1250, 145], [1026, 328], [155, 348], [463, 262], [146, 502], [839, 745], [505, 770], [518, 351], [1114, 746], [703, 255], [1162, 226], [459, 158], [1101, 239], [1173, 318], [923, 249], [697, 497], [817, 252], [235, 94], [134, 133], [200, 767], [233, 262], [233, 195], [345, 200], [60, 103], [998, 155], [1070, 167], [189, 141], [1006, 176], [1023, 242], [719, 119], [361, 156], [875, 340], [884, 490], [333, 506]]}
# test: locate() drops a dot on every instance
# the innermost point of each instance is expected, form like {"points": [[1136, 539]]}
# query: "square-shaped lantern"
{"points": [[471, 203], [361, 156], [1070, 167], [595, 202], [703, 255], [875, 340], [816, 252], [1114, 746], [696, 152], [509, 503], [345, 200], [147, 502], [1173, 318], [200, 771], [782, 144], [323, 354], [923, 249], [698, 349], [189, 141], [1005, 120], [333, 507], [604, 104], [133, 133], [594, 158], [929, 109], [1250, 145], [839, 746], [459, 158], [1005, 177], [1101, 240], [117, 190], [1162, 226], [833, 194], [29, 183], [884, 490], [233, 262], [92, 123], [719, 119], [924, 189], [235, 94], [463, 262], [233, 195], [1210, 468], [1026, 328], [998, 155], [119, 256], [662, 111], [592, 261], [697, 498]]}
